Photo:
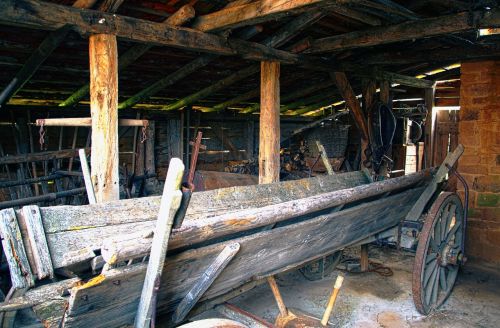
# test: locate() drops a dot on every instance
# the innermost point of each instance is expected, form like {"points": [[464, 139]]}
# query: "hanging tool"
{"points": [[188, 186]]}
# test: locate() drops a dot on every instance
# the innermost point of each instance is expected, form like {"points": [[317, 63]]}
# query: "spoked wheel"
{"points": [[438, 254], [317, 270]]}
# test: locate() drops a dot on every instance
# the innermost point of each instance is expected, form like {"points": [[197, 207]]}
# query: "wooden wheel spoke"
{"points": [[444, 220], [433, 245], [443, 280], [452, 231], [437, 231], [428, 272], [430, 286], [431, 257], [432, 283]]}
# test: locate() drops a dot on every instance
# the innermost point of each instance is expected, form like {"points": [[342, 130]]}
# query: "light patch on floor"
{"points": [[369, 300]]}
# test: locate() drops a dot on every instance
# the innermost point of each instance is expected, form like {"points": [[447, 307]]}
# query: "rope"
{"points": [[375, 267]]}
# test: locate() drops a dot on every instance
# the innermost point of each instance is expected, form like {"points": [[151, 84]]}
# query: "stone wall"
{"points": [[479, 132]]}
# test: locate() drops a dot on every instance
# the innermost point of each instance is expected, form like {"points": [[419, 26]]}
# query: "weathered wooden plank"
{"points": [[81, 228], [419, 206], [208, 277], [38, 241], [109, 298], [169, 204], [40, 156], [269, 128], [12, 244], [103, 57]]}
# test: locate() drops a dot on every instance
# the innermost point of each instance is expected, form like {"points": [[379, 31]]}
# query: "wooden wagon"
{"points": [[56, 254]]}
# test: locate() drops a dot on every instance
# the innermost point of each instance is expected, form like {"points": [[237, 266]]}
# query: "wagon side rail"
{"points": [[433, 187]]}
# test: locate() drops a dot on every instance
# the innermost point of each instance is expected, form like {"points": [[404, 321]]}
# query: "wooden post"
{"points": [[103, 57], [269, 136], [364, 262], [429, 127]]}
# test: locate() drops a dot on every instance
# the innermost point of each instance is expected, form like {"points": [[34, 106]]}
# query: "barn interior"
{"points": [[250, 163]]}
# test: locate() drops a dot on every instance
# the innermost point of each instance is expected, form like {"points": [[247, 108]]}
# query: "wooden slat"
{"points": [[12, 243], [38, 242], [41, 156], [169, 204], [197, 291]]}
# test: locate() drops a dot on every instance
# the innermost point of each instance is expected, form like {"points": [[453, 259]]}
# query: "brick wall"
{"points": [[479, 132]]}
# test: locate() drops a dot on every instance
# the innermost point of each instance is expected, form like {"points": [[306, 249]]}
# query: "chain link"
{"points": [[42, 137], [144, 136]]}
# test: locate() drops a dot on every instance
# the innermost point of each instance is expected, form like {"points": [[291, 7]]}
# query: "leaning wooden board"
{"points": [[75, 228], [111, 299]]}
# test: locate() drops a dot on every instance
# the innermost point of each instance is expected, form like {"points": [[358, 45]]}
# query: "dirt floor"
{"points": [[369, 300]]}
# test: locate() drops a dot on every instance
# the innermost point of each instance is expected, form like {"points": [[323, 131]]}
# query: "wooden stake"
{"points": [[331, 302], [160, 241], [269, 136], [363, 262], [86, 176], [103, 56]]}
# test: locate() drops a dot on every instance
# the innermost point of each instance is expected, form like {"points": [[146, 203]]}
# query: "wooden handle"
{"points": [[331, 302], [277, 296]]}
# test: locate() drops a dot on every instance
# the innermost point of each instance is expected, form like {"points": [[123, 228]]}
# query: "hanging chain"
{"points": [[144, 136], [42, 136]]}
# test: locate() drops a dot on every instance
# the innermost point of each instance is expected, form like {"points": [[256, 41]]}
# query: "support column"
{"points": [[429, 127], [269, 135], [103, 56]]}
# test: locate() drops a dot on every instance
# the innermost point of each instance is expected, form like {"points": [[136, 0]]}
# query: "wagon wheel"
{"points": [[439, 253], [318, 269]]}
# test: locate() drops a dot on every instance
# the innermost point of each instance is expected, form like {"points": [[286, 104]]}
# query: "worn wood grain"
{"points": [[206, 280], [38, 241], [103, 57], [21, 275], [269, 134], [170, 201]]}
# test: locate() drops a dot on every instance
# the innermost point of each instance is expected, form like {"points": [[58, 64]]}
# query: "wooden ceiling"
{"points": [[363, 38]]}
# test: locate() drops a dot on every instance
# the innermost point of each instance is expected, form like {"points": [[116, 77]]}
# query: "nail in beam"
{"points": [[103, 56], [269, 138]]}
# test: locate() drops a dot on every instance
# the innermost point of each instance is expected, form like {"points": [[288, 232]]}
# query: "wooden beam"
{"points": [[181, 16], [355, 14], [86, 121], [181, 73], [51, 16], [429, 127], [269, 136], [103, 55], [279, 38], [355, 109], [411, 30], [254, 13]]}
